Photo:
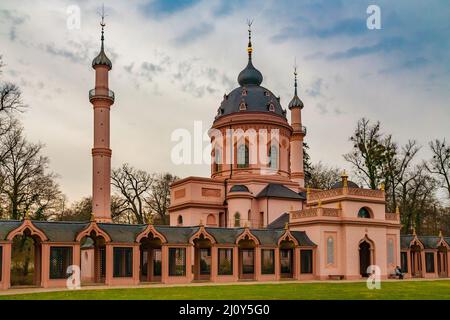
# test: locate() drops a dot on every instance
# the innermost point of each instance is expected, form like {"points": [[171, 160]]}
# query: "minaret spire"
{"points": [[103, 24], [295, 76], [250, 75], [101, 58]]}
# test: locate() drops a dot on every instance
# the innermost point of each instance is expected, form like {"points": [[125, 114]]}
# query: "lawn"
{"points": [[398, 290]]}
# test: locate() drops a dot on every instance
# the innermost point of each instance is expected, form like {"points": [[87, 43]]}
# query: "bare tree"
{"points": [[368, 153], [322, 177], [26, 184], [396, 165], [159, 198], [440, 163], [133, 186]]}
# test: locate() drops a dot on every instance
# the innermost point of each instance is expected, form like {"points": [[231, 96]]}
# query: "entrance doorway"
{"points": [[93, 259], [416, 261], [247, 259], [365, 259], [203, 260], [442, 262], [287, 259], [26, 260], [151, 259]]}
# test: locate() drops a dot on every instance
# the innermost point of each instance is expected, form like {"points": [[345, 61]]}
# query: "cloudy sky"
{"points": [[174, 60]]}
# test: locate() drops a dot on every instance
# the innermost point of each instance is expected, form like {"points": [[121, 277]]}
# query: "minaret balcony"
{"points": [[101, 94]]}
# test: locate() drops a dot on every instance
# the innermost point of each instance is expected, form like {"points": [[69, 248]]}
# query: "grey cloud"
{"points": [[14, 19], [194, 33]]}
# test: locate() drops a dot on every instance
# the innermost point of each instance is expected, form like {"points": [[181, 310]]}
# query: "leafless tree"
{"points": [[26, 184], [159, 197], [133, 186], [322, 176], [440, 163], [368, 153]]}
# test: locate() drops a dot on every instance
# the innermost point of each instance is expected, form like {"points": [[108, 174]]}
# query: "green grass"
{"points": [[398, 290]]}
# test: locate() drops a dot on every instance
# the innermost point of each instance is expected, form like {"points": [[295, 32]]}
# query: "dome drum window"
{"points": [[244, 92], [271, 107]]}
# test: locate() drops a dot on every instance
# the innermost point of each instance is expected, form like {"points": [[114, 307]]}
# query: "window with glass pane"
{"points": [[242, 156], [429, 259], [404, 258], [123, 262], [177, 261], [267, 261], [225, 262], [205, 261], [144, 262], [330, 250], [218, 160], [390, 251], [306, 261], [102, 257], [248, 261], [273, 157], [60, 259], [286, 260], [157, 258]]}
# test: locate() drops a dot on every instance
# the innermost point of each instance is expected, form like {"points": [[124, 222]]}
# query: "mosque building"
{"points": [[251, 220]]}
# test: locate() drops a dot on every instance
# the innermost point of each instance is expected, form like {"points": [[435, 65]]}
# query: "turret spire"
{"points": [[102, 59], [295, 102]]}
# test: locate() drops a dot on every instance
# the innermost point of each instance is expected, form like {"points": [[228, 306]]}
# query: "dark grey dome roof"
{"points": [[296, 103], [239, 188], [102, 59], [254, 99], [250, 76], [339, 184]]}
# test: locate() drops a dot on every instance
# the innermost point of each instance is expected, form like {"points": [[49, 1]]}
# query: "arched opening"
{"points": [[365, 258], [273, 157], [217, 159], [364, 212], [180, 220], [26, 260], [211, 221], [237, 220], [243, 156], [247, 258], [93, 259], [287, 259], [442, 261], [202, 258], [151, 259], [416, 261]]}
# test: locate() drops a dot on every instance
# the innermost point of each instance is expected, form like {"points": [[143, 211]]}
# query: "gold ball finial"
{"points": [[92, 217], [440, 234], [382, 186], [344, 177], [397, 210], [286, 226], [27, 214]]}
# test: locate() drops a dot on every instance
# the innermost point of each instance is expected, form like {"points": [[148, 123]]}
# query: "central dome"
{"points": [[252, 98]]}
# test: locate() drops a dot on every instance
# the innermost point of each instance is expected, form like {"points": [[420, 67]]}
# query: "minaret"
{"points": [[296, 143], [101, 98]]}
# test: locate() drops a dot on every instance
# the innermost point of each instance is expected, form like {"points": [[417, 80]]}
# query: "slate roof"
{"points": [[275, 190], [279, 222], [6, 226], [239, 188], [429, 242], [126, 233], [60, 231], [256, 99]]}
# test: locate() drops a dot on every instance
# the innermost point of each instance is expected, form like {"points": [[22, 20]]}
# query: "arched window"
{"points": [[364, 213], [273, 157], [242, 105], [180, 220], [237, 219], [217, 160], [271, 107], [390, 256], [242, 156], [330, 250]]}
